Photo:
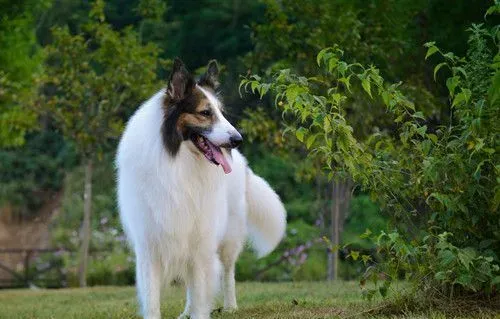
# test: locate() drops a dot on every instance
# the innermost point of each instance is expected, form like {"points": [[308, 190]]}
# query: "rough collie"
{"points": [[187, 198]]}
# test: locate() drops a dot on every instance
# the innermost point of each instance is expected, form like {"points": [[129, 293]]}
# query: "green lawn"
{"points": [[256, 300]]}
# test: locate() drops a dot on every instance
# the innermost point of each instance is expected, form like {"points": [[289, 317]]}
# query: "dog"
{"points": [[187, 198]]}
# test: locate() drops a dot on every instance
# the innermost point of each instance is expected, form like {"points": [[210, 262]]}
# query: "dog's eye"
{"points": [[206, 113]]}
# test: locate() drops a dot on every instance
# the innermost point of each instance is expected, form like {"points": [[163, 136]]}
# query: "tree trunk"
{"points": [[336, 230], [319, 205], [85, 231], [333, 254], [341, 195]]}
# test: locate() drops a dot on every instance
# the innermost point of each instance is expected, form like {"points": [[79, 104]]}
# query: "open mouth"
{"points": [[212, 152]]}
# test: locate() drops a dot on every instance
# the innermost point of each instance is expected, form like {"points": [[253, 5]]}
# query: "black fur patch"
{"points": [[211, 77], [172, 134], [171, 138]]}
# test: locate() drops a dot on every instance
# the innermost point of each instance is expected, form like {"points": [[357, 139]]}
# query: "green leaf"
{"points": [[430, 51], [242, 83], [330, 176], [300, 133], [450, 56], [347, 82], [399, 118], [433, 137], [334, 248], [452, 83], [495, 281], [418, 115], [254, 85], [439, 66], [332, 63], [496, 201], [354, 255], [458, 69], [329, 142], [492, 9], [366, 258], [494, 91], [447, 257], [327, 125], [462, 97], [486, 243], [426, 147], [466, 257], [310, 141], [319, 57], [292, 92], [336, 97], [386, 97], [477, 172], [263, 90], [320, 99], [366, 234], [421, 130], [465, 280], [365, 83]]}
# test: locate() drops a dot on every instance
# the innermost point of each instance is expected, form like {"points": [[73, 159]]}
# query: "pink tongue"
{"points": [[221, 159]]}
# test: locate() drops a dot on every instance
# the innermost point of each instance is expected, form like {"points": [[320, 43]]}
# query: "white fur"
{"points": [[267, 218], [222, 130], [184, 217]]}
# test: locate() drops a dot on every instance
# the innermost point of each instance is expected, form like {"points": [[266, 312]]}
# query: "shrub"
{"points": [[439, 183]]}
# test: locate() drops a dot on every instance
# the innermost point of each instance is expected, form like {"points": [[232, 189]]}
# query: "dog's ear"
{"points": [[211, 77], [181, 82]]}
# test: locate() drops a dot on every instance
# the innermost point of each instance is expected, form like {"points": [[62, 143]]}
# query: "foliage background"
{"points": [[265, 37]]}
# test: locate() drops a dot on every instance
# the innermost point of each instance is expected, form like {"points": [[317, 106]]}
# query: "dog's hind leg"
{"points": [[229, 252], [148, 281]]}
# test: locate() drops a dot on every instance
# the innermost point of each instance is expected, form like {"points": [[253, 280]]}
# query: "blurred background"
{"points": [[100, 60]]}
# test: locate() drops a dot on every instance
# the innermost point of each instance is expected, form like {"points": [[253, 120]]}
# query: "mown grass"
{"points": [[256, 300]]}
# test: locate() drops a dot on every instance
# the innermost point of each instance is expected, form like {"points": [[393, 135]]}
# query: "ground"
{"points": [[256, 300]]}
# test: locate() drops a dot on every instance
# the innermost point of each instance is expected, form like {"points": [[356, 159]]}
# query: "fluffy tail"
{"points": [[266, 215]]}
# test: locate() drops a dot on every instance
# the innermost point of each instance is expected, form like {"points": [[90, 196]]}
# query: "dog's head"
{"points": [[193, 114]]}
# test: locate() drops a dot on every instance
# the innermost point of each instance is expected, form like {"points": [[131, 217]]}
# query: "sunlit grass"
{"points": [[256, 300]]}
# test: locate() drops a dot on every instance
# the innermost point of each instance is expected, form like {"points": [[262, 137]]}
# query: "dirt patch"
{"points": [[30, 234]]}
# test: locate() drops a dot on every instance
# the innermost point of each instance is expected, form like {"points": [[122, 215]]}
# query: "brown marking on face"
{"points": [[200, 115], [193, 114], [184, 105]]}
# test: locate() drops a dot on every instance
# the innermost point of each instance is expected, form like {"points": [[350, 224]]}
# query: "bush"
{"points": [[439, 183]]}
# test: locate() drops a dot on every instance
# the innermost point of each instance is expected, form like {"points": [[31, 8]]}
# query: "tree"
{"points": [[92, 81], [19, 60]]}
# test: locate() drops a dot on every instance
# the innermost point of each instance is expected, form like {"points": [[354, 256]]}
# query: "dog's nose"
{"points": [[236, 140]]}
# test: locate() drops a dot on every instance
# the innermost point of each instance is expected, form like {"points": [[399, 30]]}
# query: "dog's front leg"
{"points": [[148, 280], [202, 285], [187, 309]]}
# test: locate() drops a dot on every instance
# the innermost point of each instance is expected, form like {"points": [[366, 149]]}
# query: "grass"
{"points": [[256, 300]]}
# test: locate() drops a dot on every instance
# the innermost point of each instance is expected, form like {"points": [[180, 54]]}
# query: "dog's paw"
{"points": [[216, 311], [184, 315], [230, 309]]}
